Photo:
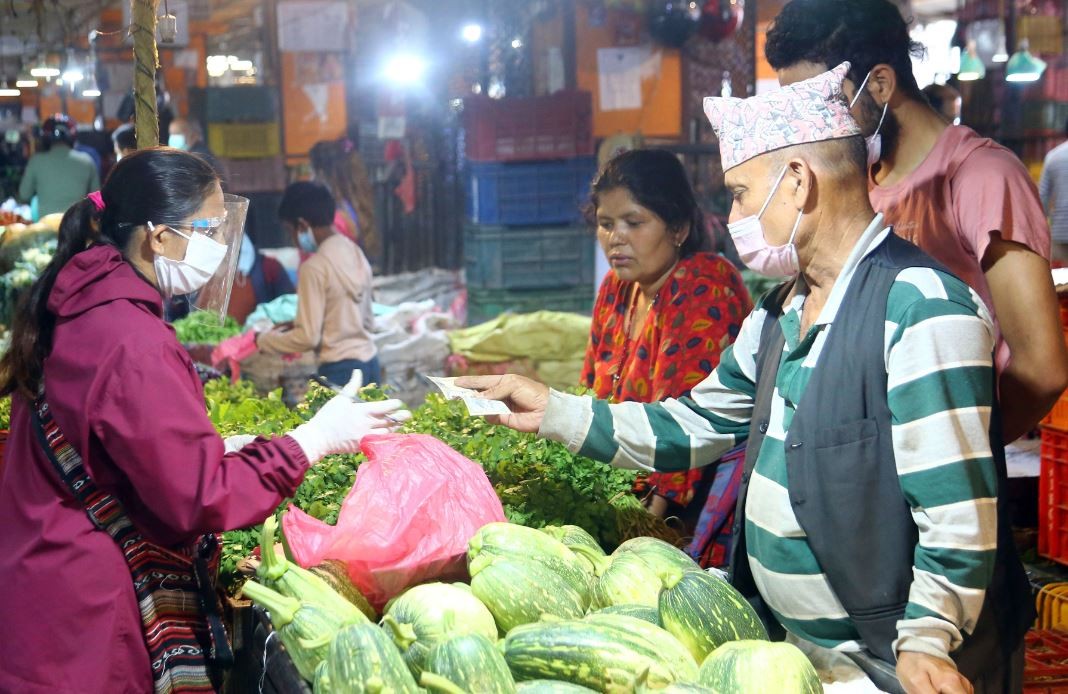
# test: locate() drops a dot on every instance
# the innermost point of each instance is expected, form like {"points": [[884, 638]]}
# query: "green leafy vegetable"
{"points": [[202, 328]]}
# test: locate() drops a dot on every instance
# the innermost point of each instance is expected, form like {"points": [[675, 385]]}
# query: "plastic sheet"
{"points": [[415, 504]]}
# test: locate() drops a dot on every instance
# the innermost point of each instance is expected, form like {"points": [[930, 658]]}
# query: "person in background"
{"points": [[1053, 187], [132, 408], [259, 279], [124, 140], [946, 100], [334, 311], [870, 528], [56, 174], [964, 199], [664, 313], [187, 136], [338, 165]]}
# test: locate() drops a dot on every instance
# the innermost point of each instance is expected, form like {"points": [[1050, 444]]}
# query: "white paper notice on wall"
{"points": [[314, 26], [619, 73]]}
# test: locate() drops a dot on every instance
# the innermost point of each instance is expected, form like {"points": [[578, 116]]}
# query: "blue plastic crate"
{"points": [[528, 257], [529, 193]]}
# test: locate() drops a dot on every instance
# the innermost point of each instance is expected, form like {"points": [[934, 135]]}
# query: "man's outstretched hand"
{"points": [[526, 398]]}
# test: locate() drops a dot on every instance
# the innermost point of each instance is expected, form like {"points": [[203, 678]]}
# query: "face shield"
{"points": [[214, 297]]}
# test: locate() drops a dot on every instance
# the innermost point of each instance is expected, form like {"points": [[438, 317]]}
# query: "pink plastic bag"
{"points": [[415, 504]]}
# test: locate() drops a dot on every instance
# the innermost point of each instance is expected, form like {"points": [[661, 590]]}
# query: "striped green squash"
{"points": [[550, 687], [625, 579], [321, 681], [363, 660], [671, 651], [658, 554], [473, 663], [512, 541], [578, 541], [291, 580], [304, 628], [597, 656], [759, 666], [518, 591], [427, 614], [649, 614], [704, 612]]}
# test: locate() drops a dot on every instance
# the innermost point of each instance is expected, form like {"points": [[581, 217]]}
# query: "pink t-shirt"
{"points": [[967, 188]]}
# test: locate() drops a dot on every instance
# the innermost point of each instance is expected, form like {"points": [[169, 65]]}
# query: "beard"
{"points": [[868, 120]]}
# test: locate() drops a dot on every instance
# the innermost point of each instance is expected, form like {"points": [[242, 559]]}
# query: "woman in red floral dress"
{"points": [[667, 309]]}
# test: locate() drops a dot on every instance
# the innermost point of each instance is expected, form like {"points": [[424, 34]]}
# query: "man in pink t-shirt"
{"points": [[964, 199]]}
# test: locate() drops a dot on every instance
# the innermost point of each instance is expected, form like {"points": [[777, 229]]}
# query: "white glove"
{"points": [[342, 422], [235, 443]]}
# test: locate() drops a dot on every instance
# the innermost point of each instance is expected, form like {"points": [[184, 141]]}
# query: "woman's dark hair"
{"points": [[338, 164], [828, 32], [160, 185], [309, 201], [656, 180], [57, 128]]}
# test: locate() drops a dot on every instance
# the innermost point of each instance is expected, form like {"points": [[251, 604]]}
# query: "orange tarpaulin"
{"points": [[313, 99]]}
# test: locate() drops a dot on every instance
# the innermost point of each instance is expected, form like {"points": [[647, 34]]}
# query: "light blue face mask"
{"points": [[307, 241], [177, 141]]}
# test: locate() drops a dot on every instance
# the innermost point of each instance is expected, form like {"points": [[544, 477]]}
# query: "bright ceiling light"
{"points": [[7, 91], [971, 67], [471, 33], [405, 69], [46, 72], [1024, 67], [73, 75], [26, 84], [517, 43]]}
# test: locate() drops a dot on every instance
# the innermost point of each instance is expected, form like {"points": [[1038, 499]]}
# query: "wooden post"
{"points": [[146, 60]]}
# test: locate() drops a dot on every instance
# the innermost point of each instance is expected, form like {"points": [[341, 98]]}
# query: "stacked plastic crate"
{"points": [[243, 132], [530, 163], [1053, 474]]}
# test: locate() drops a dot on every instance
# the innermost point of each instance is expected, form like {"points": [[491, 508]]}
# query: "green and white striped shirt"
{"points": [[938, 345]]}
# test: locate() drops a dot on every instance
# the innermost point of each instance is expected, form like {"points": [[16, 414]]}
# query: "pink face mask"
{"points": [[753, 248]]}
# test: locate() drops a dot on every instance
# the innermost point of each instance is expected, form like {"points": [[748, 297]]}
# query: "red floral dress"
{"points": [[695, 316]]}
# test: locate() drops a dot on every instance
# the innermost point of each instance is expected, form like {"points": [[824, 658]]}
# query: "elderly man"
{"points": [[962, 198], [865, 388]]}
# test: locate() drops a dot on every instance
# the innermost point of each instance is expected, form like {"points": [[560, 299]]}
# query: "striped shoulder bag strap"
{"points": [[180, 616]]}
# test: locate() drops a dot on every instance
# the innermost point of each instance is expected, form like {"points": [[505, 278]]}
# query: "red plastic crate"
{"points": [[559, 126], [1053, 495], [1046, 662]]}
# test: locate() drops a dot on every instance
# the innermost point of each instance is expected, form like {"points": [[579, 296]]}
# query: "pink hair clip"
{"points": [[97, 199]]}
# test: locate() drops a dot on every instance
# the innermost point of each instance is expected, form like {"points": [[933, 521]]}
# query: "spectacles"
{"points": [[208, 226]]}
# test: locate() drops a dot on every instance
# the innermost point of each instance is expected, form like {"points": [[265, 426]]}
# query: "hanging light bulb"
{"points": [[1001, 53], [7, 90], [1024, 67], [45, 70], [971, 67], [90, 90]]}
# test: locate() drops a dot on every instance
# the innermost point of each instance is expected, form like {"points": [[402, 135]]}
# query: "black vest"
{"points": [[843, 482]]}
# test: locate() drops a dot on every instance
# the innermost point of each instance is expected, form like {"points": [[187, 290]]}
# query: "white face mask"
{"points": [[875, 142], [202, 258], [753, 247]]}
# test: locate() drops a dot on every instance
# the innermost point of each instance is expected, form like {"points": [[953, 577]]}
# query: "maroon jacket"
{"points": [[126, 396]]}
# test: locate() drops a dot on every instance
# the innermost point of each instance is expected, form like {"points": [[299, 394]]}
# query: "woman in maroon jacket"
{"points": [[125, 395]]}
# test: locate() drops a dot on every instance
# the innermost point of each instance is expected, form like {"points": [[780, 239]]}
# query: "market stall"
{"points": [[643, 616]]}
